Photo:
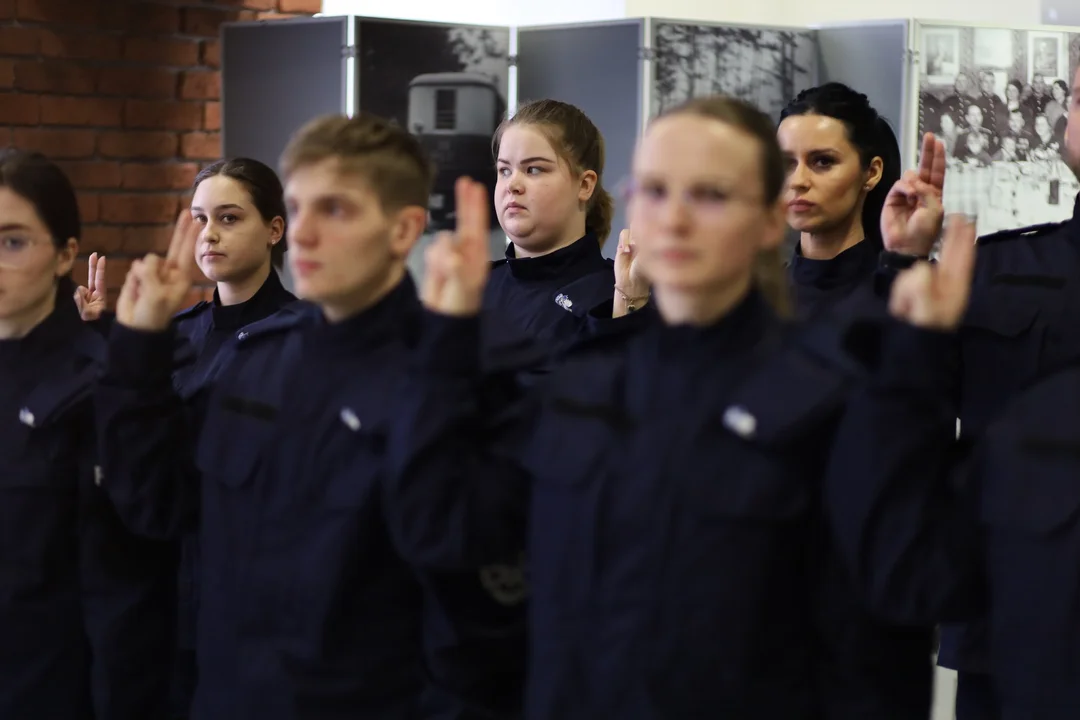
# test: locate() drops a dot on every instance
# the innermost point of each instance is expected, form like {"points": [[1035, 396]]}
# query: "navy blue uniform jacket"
{"points": [[667, 489], [201, 331], [868, 668], [994, 533], [306, 611], [1020, 326], [86, 608], [549, 297]]}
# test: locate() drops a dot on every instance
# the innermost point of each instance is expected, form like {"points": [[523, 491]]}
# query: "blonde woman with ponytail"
{"points": [[665, 484], [551, 202]]}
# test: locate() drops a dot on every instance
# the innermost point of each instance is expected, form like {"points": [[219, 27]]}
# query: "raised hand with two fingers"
{"points": [[934, 296], [912, 216], [457, 264], [90, 299], [156, 287]]}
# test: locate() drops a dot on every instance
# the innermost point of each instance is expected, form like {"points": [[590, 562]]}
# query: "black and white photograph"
{"points": [[448, 84], [993, 47], [766, 67], [1002, 116], [941, 49], [1048, 55]]}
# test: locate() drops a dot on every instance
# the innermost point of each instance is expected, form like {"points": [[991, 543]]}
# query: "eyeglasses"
{"points": [[17, 250], [701, 198]]}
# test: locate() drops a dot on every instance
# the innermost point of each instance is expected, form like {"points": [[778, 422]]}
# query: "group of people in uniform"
{"points": [[702, 480]]}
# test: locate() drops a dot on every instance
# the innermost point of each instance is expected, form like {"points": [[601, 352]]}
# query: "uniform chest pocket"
{"points": [[38, 518], [1033, 488], [1001, 339], [1001, 316], [234, 435], [573, 440], [31, 474], [352, 456], [738, 481]]}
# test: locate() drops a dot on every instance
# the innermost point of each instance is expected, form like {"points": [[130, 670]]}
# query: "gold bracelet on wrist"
{"points": [[632, 303]]}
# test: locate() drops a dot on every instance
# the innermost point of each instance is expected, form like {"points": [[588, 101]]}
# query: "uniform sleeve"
{"points": [[890, 265], [905, 525], [598, 321], [147, 435], [457, 494], [103, 325]]}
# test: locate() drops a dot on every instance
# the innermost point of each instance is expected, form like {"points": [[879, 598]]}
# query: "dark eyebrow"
{"points": [[227, 206], [528, 160], [819, 151], [13, 226]]}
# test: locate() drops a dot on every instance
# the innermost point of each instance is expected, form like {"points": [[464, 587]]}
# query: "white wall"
{"points": [[483, 12], [1011, 13]]}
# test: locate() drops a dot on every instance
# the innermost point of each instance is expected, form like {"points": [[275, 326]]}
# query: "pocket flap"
{"points": [[785, 400], [999, 315], [235, 432], [1033, 485]]}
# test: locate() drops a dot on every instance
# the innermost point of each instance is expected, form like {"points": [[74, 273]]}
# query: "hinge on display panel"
{"points": [[348, 51], [645, 53], [512, 60]]}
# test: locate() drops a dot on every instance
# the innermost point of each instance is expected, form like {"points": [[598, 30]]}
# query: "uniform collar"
{"points": [[269, 297], [583, 251], [397, 314], [57, 328], [852, 264], [737, 331]]}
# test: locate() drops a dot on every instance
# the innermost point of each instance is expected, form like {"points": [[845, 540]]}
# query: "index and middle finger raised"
{"points": [[932, 161], [181, 253], [96, 271], [473, 214]]}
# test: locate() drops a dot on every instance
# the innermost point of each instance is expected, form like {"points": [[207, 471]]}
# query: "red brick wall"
{"points": [[125, 94]]}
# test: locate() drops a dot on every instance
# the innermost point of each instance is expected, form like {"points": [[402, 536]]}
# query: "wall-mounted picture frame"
{"points": [[941, 55], [1048, 55], [993, 48]]}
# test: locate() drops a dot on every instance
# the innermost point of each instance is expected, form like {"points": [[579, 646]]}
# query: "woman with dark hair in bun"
{"points": [[843, 159]]}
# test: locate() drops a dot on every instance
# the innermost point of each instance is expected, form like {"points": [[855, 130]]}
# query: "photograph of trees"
{"points": [[763, 66]]}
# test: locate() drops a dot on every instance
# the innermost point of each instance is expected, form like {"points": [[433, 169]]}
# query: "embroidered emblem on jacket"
{"points": [[505, 583]]}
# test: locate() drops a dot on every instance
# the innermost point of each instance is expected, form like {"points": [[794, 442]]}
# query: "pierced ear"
{"points": [[874, 173], [277, 230]]}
